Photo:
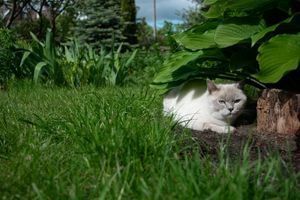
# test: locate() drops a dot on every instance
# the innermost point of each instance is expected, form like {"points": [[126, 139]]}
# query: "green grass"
{"points": [[114, 143]]}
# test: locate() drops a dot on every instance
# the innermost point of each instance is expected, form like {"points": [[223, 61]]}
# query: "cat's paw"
{"points": [[231, 129], [227, 129]]}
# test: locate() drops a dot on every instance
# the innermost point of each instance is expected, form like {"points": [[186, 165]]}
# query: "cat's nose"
{"points": [[230, 109]]}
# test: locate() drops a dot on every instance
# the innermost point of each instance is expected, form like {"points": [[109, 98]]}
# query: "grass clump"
{"points": [[114, 143]]}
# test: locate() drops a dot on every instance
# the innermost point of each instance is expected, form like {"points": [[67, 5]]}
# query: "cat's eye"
{"points": [[221, 101], [237, 100]]}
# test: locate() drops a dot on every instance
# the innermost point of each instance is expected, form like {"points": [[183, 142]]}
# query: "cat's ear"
{"points": [[211, 87], [240, 84]]}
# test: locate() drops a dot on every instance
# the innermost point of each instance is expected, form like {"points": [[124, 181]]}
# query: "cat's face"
{"points": [[227, 100]]}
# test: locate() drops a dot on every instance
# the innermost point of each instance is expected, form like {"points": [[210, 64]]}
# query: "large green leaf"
{"points": [[246, 5], [235, 30], [258, 36], [277, 57], [209, 2], [215, 9], [26, 54], [131, 58], [37, 71], [220, 7], [198, 37], [49, 50], [173, 63], [179, 66], [213, 33], [36, 39]]}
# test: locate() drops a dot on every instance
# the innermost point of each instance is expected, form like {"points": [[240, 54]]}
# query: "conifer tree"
{"points": [[128, 10], [99, 23]]}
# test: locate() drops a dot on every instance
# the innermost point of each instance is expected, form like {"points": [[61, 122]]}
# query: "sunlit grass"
{"points": [[114, 143]]}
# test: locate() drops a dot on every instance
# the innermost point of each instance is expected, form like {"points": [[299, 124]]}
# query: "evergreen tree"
{"points": [[99, 23], [128, 11]]}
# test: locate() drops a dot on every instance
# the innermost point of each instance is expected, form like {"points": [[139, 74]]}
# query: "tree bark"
{"points": [[15, 11], [278, 112], [40, 14]]}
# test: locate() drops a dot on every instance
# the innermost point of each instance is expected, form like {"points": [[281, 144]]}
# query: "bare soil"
{"points": [[260, 144]]}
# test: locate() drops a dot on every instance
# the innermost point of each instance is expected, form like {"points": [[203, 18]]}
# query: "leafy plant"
{"points": [[245, 39], [83, 64], [6, 56], [26, 70], [119, 66], [74, 66], [43, 56], [144, 66]]}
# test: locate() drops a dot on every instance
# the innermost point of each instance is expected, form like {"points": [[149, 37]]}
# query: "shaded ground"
{"points": [[259, 144]]}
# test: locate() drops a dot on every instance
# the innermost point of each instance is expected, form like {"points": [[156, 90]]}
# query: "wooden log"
{"points": [[278, 112]]}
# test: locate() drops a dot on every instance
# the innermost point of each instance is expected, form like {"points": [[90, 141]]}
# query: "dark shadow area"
{"points": [[261, 145]]}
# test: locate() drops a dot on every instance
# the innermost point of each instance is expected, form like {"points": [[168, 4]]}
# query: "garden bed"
{"points": [[260, 144]]}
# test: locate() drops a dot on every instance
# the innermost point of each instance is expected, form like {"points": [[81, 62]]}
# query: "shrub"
{"points": [[43, 55], [83, 64], [75, 64], [7, 61], [26, 70], [145, 65]]}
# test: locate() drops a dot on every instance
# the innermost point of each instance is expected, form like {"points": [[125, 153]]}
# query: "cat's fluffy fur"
{"points": [[197, 107]]}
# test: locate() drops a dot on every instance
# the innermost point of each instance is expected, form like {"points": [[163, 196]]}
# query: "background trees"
{"points": [[128, 12], [95, 22], [192, 16], [99, 23], [102, 29], [13, 9], [33, 15]]}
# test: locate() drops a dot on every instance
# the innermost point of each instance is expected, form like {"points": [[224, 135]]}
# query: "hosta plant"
{"points": [[258, 41]]}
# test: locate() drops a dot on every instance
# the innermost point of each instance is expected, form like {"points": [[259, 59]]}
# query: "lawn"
{"points": [[115, 143]]}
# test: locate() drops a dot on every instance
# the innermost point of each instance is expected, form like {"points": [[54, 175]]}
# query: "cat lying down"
{"points": [[196, 107]]}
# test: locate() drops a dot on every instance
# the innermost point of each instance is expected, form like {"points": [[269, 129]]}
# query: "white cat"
{"points": [[197, 107]]}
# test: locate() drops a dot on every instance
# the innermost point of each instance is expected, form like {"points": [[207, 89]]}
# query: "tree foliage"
{"points": [[50, 9], [27, 16], [192, 16], [99, 23], [13, 10], [144, 33], [128, 12], [245, 39]]}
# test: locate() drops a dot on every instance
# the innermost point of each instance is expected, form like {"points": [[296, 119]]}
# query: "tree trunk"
{"points": [[11, 17], [278, 112], [41, 23], [15, 11]]}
